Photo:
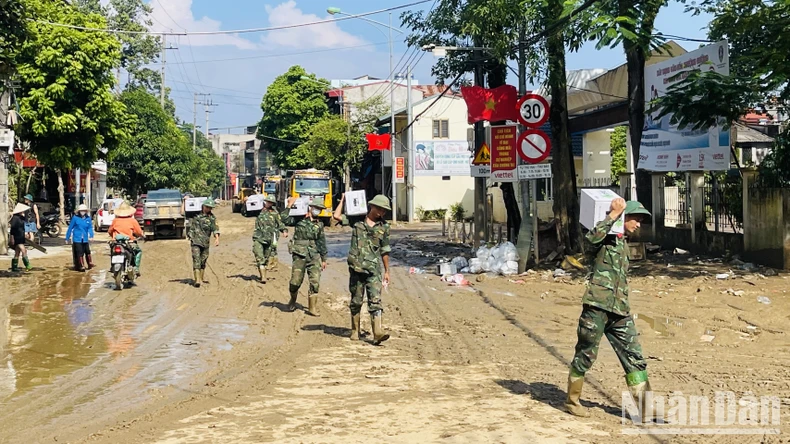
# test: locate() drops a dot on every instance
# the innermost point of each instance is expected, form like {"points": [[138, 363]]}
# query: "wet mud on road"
{"points": [[163, 362]]}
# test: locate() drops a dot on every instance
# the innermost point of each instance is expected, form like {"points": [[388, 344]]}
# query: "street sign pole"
{"points": [[480, 218]]}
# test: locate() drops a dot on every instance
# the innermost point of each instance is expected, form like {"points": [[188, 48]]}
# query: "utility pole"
{"points": [[164, 62], [410, 146], [527, 237], [194, 120], [206, 107], [392, 135], [480, 218]]}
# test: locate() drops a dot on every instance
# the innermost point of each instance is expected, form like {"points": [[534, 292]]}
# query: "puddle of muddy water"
{"points": [[659, 324]]}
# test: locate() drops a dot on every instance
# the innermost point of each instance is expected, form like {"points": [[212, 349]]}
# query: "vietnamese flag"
{"points": [[378, 142], [492, 105]]}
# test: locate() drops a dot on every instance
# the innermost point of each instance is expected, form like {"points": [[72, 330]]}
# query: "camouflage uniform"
{"points": [[267, 226], [606, 309], [308, 248], [365, 269], [201, 229]]}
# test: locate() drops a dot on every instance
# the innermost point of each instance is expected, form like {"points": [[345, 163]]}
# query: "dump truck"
{"points": [[239, 201], [163, 215], [312, 184], [271, 187]]}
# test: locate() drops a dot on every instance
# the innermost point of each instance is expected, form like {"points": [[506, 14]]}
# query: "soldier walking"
{"points": [[369, 251], [308, 248], [268, 227], [606, 310], [201, 228]]}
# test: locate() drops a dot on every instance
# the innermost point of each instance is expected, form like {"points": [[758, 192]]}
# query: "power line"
{"points": [[267, 56], [238, 31]]}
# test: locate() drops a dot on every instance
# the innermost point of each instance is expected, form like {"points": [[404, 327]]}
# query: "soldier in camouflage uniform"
{"points": [[308, 248], [370, 241], [201, 228], [606, 309], [268, 227]]}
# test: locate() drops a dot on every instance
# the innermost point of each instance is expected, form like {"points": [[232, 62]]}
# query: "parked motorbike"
{"points": [[122, 262], [50, 225]]}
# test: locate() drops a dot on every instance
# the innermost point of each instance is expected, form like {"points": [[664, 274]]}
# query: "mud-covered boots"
{"points": [[26, 261], [80, 265], [90, 262], [572, 403], [640, 390], [379, 335], [312, 305], [262, 273], [292, 302], [14, 265], [355, 327], [197, 278]]}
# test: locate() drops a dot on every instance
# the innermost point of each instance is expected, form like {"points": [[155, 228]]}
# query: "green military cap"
{"points": [[381, 201], [209, 203], [270, 199], [318, 203], [633, 207]]}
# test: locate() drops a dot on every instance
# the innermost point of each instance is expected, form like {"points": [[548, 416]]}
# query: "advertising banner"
{"points": [[504, 163], [442, 158], [665, 147]]}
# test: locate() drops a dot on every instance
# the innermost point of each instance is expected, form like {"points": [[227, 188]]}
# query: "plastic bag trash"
{"points": [[509, 252], [749, 267], [465, 270], [460, 262], [559, 273], [475, 266], [509, 268], [680, 251], [416, 270], [722, 276], [498, 252], [763, 300], [483, 253], [495, 265], [456, 279]]}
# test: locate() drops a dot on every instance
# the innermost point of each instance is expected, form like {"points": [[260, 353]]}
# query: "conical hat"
{"points": [[125, 210], [20, 208]]}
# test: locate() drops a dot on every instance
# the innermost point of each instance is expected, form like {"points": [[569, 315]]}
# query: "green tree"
{"points": [[291, 106], [327, 146], [158, 156], [66, 107], [209, 176], [618, 148], [12, 22]]}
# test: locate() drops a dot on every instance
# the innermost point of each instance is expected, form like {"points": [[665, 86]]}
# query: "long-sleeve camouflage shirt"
{"points": [[608, 286], [308, 239], [267, 225], [201, 228], [368, 245]]}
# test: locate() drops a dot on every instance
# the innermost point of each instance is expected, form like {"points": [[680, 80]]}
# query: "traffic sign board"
{"points": [[483, 156], [481, 170], [533, 110], [534, 146], [539, 171]]}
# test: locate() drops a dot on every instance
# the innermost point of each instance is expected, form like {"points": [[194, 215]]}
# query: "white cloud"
{"points": [[327, 35], [176, 15]]}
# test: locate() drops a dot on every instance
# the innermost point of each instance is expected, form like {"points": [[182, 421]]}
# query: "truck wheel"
{"points": [[244, 211], [180, 233]]}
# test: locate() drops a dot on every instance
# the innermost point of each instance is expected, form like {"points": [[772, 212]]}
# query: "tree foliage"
{"points": [[291, 106], [12, 21], [210, 174], [618, 148], [159, 155], [66, 107]]}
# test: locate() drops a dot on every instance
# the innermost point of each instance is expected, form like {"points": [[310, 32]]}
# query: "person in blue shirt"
{"points": [[79, 234]]}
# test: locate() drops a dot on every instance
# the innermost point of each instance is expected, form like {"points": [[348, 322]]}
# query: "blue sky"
{"points": [[236, 69]]}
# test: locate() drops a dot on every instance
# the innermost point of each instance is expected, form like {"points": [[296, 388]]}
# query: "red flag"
{"points": [[491, 104], [378, 142]]}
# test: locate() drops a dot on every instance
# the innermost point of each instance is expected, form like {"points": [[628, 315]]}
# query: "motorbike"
{"points": [[50, 225], [122, 262]]}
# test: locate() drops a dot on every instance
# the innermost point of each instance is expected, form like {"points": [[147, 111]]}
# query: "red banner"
{"points": [[492, 105], [400, 170], [26, 159], [378, 142]]}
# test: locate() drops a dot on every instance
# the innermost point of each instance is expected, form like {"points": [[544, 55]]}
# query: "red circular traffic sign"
{"points": [[534, 146], [533, 110]]}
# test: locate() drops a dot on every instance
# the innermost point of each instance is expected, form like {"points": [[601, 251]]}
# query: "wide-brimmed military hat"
{"points": [[381, 201], [270, 199], [29, 197], [633, 207], [209, 203], [317, 203]]}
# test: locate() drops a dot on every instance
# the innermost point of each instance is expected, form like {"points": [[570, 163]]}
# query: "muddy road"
{"points": [[166, 363]]}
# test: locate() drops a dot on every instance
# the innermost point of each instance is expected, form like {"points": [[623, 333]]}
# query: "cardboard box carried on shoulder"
{"points": [[356, 203], [595, 205], [194, 204], [299, 208], [254, 202]]}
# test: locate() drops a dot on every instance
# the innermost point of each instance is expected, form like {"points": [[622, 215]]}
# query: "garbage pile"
{"points": [[501, 259]]}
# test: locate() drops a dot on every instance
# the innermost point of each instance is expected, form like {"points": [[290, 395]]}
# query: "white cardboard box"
{"points": [[356, 204], [254, 202], [595, 205], [299, 207], [194, 204]]}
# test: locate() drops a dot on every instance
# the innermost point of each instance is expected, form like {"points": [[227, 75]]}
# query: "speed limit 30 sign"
{"points": [[533, 110]]}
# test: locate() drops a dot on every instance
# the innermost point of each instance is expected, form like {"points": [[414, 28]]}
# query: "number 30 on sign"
{"points": [[533, 110]]}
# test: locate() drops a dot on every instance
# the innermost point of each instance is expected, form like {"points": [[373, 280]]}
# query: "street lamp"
{"points": [[338, 11]]}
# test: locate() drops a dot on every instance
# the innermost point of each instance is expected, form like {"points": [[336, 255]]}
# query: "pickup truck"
{"points": [[163, 215]]}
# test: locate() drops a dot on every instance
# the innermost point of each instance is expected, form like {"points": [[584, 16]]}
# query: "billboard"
{"points": [[664, 146], [442, 158]]}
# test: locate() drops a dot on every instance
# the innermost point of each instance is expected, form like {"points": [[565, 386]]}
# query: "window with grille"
{"points": [[441, 129]]}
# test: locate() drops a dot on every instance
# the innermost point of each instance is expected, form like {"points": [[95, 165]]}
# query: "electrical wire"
{"points": [[237, 31]]}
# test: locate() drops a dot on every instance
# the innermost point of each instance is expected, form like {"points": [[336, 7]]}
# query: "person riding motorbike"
{"points": [[125, 224]]}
